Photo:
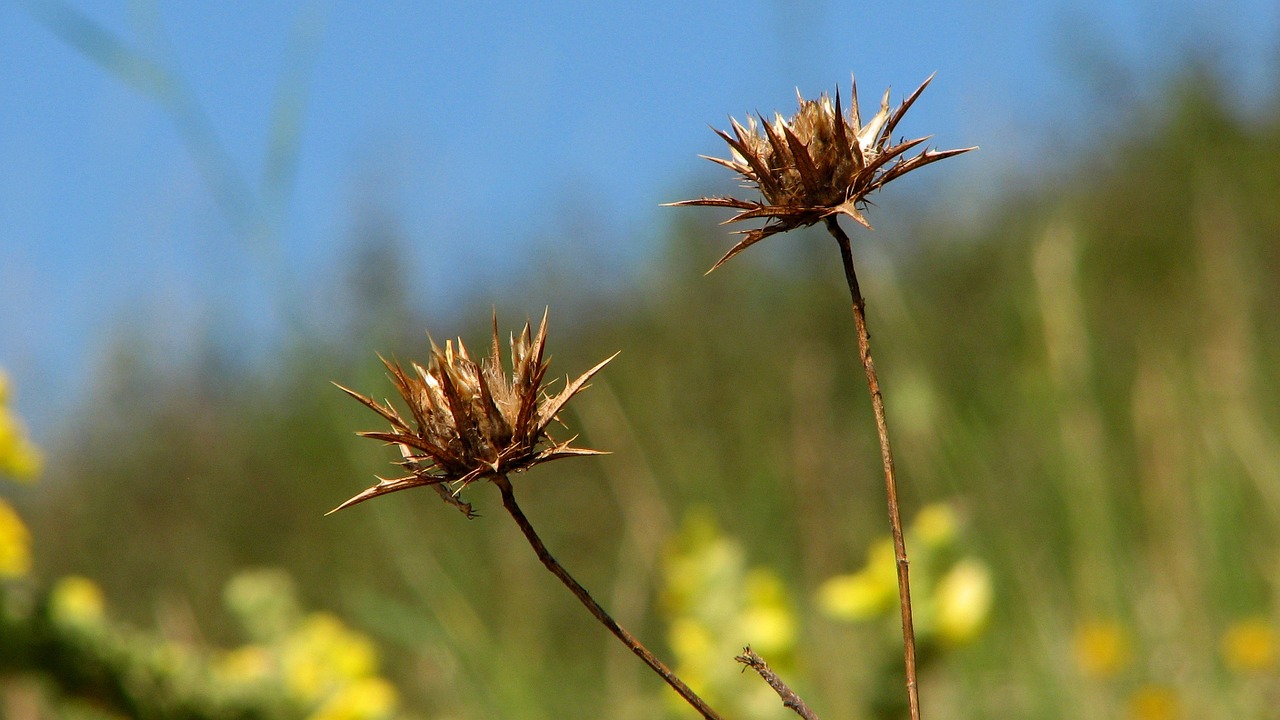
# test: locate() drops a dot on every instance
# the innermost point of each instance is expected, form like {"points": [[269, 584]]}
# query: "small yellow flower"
{"points": [[691, 642], [249, 663], [1101, 648], [713, 602], [15, 543], [19, 458], [963, 600], [1154, 702], [935, 526], [856, 596], [767, 622], [323, 654], [1249, 645], [76, 600], [365, 699], [868, 593]]}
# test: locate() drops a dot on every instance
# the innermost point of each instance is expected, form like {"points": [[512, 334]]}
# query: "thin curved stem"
{"points": [[790, 699], [509, 502], [886, 457]]}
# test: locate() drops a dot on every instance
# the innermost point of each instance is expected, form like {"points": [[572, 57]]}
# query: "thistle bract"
{"points": [[469, 420], [819, 163]]}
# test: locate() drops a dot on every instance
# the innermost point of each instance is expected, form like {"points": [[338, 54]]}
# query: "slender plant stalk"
{"points": [[790, 699], [886, 457], [509, 502]]}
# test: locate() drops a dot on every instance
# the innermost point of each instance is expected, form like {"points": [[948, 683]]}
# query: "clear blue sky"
{"points": [[173, 164]]}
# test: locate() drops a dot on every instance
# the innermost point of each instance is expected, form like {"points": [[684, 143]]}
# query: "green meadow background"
{"points": [[1082, 372]]}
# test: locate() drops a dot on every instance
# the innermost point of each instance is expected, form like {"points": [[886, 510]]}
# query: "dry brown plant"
{"points": [[470, 421], [813, 167]]}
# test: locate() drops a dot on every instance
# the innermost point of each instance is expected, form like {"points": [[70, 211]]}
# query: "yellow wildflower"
{"points": [[963, 600], [250, 663], [15, 543], [1101, 648], [324, 654], [868, 593], [713, 603], [76, 600], [364, 699], [19, 458], [935, 526], [1154, 702], [767, 622], [690, 640], [1249, 645]]}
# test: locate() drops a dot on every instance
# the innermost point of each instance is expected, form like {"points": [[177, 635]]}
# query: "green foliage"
{"points": [[1086, 374]]}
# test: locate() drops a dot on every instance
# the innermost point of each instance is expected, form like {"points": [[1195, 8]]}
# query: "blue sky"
{"points": [[168, 165]]}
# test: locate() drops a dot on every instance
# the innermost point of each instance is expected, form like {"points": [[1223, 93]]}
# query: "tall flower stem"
{"points": [[634, 645], [886, 457]]}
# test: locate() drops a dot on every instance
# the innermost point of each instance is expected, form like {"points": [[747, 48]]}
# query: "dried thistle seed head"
{"points": [[469, 420], [817, 164]]}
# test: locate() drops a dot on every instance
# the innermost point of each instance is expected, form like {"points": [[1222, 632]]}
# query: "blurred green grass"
{"points": [[1086, 374]]}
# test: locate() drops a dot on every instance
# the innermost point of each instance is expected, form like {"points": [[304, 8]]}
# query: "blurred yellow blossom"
{"points": [[935, 526], [952, 593], [867, 593], [359, 700], [19, 458], [324, 665], [1101, 648], [963, 598], [324, 654], [1249, 645], [246, 664], [767, 618], [689, 638], [15, 543], [76, 600], [714, 604], [1154, 702]]}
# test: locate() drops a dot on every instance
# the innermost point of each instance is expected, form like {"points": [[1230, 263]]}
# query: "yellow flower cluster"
{"points": [[1102, 648], [76, 601], [19, 459], [15, 543], [1154, 702], [1249, 645], [714, 605], [320, 662], [326, 664], [951, 593]]}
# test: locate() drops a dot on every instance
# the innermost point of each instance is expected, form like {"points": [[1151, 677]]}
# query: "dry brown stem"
{"points": [[886, 458], [509, 502], [789, 699]]}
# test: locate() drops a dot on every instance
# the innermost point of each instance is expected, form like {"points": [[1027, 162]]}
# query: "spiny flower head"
{"points": [[817, 164], [469, 420]]}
